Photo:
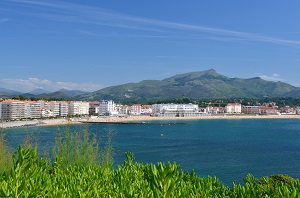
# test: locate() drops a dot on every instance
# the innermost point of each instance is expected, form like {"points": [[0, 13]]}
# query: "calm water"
{"points": [[228, 149]]}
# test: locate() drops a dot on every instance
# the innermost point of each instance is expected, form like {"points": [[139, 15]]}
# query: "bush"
{"points": [[6, 162]]}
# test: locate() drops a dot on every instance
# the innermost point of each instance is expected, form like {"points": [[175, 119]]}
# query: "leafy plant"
{"points": [[5, 156]]}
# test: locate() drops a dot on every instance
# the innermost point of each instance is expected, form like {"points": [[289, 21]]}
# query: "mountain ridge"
{"points": [[206, 84]]}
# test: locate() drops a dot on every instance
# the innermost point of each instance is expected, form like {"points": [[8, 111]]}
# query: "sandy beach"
{"points": [[27, 123], [126, 119]]}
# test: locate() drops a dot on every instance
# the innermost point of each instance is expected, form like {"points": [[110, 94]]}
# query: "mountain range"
{"points": [[41, 93], [203, 84], [206, 84]]}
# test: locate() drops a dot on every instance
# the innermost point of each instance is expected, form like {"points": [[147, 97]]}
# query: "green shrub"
{"points": [[80, 149], [6, 162]]}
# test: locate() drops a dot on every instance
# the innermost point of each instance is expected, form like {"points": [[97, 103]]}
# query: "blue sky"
{"points": [[92, 44]]}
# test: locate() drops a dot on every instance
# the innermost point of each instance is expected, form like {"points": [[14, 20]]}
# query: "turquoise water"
{"points": [[228, 149]]}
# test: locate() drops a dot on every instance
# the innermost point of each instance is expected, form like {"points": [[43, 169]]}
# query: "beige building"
{"points": [[54, 108], [268, 110], [233, 108], [250, 109], [33, 109], [136, 109], [13, 109], [63, 109], [79, 108]]}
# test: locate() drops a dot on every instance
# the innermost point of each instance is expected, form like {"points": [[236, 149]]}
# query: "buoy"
{"points": [[161, 134]]}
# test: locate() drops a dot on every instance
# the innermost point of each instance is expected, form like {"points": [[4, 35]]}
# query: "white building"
{"points": [[79, 108], [107, 107], [33, 109], [54, 108], [136, 109], [47, 113], [175, 110], [233, 108], [63, 109], [146, 109], [13, 109], [298, 111]]}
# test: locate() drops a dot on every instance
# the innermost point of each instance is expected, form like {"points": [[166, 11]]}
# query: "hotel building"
{"points": [[79, 108], [233, 108], [107, 107], [175, 110]]}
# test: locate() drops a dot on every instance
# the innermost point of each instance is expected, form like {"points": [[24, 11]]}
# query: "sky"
{"points": [[91, 44]]}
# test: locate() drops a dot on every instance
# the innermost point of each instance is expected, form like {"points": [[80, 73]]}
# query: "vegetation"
{"points": [[79, 171], [205, 85]]}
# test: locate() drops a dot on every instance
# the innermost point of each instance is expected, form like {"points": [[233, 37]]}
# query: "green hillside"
{"points": [[204, 84]]}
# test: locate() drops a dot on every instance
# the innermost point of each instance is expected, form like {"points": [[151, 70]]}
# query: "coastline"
{"points": [[134, 119], [150, 118]]}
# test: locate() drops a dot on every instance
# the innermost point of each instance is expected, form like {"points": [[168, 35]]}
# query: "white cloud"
{"points": [[27, 85], [273, 77]]}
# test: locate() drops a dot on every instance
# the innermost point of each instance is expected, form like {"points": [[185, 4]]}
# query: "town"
{"points": [[17, 109]]}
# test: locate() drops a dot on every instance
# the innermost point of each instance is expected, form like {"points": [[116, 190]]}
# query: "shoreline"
{"points": [[150, 118], [133, 119]]}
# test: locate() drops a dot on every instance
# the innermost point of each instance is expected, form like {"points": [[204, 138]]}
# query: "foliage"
{"points": [[205, 85], [5, 155], [80, 169], [31, 176], [80, 148]]}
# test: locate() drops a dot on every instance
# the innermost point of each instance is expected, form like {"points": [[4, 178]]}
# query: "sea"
{"points": [[226, 148]]}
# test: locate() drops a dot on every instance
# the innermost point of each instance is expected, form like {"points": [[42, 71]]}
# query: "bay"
{"points": [[226, 148]]}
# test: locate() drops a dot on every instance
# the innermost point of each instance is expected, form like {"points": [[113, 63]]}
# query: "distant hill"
{"points": [[38, 91], [204, 84], [6, 93], [73, 92], [41, 93], [57, 95]]}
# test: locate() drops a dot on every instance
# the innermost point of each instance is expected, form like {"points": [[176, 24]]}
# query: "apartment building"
{"points": [[94, 108], [107, 107], [250, 109], [268, 110], [146, 109], [78, 108], [33, 109], [123, 109], [63, 109], [175, 110], [233, 108], [54, 108], [13, 109], [136, 109]]}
